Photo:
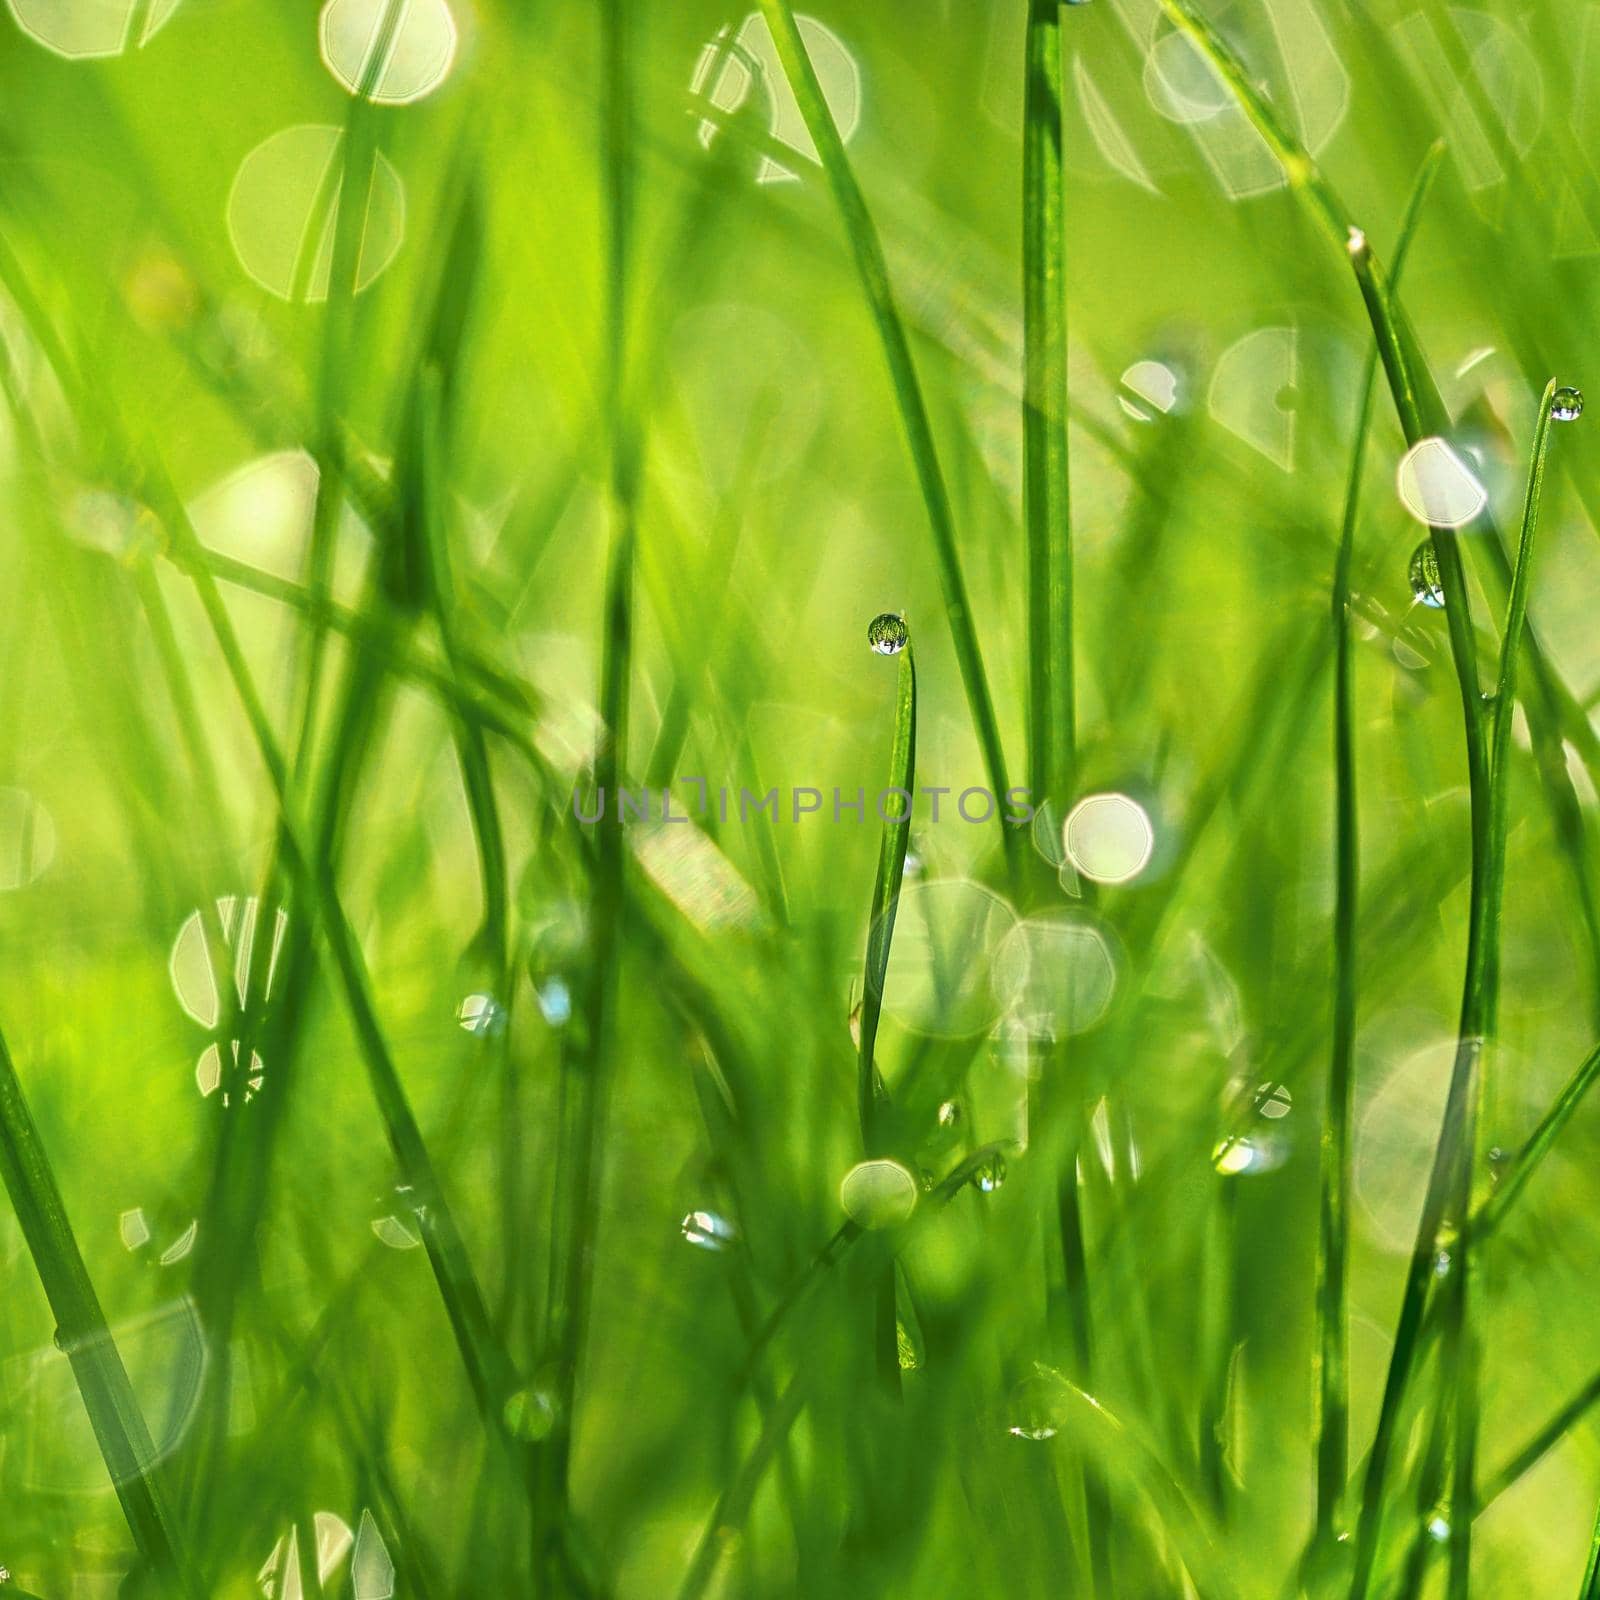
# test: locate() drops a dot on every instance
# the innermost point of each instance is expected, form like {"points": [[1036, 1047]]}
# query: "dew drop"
{"points": [[1439, 1530], [530, 1414], [1441, 1264], [990, 1174], [1039, 1405], [555, 1001], [888, 634], [950, 1114], [707, 1231], [481, 1015], [1566, 405], [1424, 575]]}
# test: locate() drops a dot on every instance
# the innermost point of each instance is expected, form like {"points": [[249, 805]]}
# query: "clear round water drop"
{"points": [[888, 634], [1039, 1405], [707, 1231], [530, 1414], [1566, 405], [1424, 576], [990, 1174]]}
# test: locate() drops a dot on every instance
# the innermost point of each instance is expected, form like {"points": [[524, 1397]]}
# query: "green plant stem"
{"points": [[1046, 498], [874, 275], [1333, 1291], [81, 1332]]}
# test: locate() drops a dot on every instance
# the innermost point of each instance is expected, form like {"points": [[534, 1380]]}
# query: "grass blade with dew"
{"points": [[1052, 701], [874, 274], [1332, 1448], [880, 934], [1422, 414], [81, 1333], [1480, 1007]]}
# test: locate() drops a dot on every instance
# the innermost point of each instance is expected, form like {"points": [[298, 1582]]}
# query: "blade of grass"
{"points": [[1046, 494], [874, 274], [1480, 1008], [886, 882], [1333, 1290], [590, 1078], [81, 1332]]}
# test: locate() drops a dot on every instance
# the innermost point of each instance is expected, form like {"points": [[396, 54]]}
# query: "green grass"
{"points": [[598, 484]]}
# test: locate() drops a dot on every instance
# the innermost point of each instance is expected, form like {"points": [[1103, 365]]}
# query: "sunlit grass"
{"points": [[1182, 1190]]}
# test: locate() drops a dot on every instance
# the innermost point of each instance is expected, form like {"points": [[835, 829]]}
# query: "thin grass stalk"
{"points": [[886, 882], [82, 1333], [874, 274], [1481, 1009], [589, 1085], [1046, 500], [1332, 1449]]}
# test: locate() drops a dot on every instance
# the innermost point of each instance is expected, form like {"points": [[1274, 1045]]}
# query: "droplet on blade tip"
{"points": [[888, 634]]}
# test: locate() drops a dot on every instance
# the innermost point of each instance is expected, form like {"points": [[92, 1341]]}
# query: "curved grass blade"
{"points": [[1481, 1003], [1333, 1396], [1052, 710], [874, 273], [81, 1332], [880, 934]]}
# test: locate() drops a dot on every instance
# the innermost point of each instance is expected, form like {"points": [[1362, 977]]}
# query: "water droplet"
{"points": [[1424, 576], [909, 1360], [1438, 1530], [482, 1015], [1108, 838], [1039, 1404], [5, 1574], [1441, 1264], [878, 1194], [530, 1414], [419, 53], [888, 634], [989, 1175], [1437, 487], [393, 1228], [709, 1231], [555, 1002], [950, 1114], [1566, 405], [1274, 1100], [1356, 242]]}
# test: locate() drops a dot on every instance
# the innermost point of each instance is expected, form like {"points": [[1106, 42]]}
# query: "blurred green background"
{"points": [[171, 224]]}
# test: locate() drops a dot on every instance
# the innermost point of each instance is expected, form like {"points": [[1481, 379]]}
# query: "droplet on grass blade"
{"points": [[482, 1015], [530, 1414], [990, 1174], [555, 1001], [878, 1193], [950, 1114], [1566, 405], [420, 52], [1423, 574], [708, 1231], [888, 634], [1039, 1405]]}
